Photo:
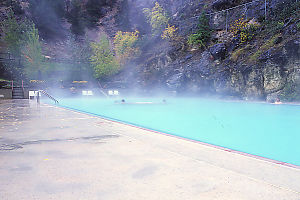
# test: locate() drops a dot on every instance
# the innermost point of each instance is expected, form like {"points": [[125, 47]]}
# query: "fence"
{"points": [[221, 20], [243, 10]]}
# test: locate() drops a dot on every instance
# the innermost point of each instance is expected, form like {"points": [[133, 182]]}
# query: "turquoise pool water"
{"points": [[270, 131]]}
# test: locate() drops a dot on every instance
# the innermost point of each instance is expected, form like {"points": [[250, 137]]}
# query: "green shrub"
{"points": [[103, 60], [267, 45], [238, 53], [202, 36], [242, 30]]}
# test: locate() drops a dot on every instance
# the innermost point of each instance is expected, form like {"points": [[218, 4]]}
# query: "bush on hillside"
{"points": [[202, 36], [103, 60], [125, 44], [157, 18]]}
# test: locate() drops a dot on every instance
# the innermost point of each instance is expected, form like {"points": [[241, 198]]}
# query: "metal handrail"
{"points": [[49, 96], [101, 90]]}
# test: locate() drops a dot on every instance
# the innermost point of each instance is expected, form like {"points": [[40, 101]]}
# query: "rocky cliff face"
{"points": [[264, 68]]}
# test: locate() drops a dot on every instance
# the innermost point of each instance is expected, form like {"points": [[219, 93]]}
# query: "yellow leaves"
{"points": [[37, 81], [80, 82], [157, 17], [125, 44], [240, 28], [157, 8], [169, 32]]}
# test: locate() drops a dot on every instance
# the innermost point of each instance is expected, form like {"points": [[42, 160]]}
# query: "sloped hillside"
{"points": [[252, 53]]}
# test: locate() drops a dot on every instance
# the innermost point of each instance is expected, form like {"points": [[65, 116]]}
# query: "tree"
{"points": [[202, 35], [13, 34], [81, 53], [13, 39], [22, 41], [34, 61], [125, 45], [104, 62], [157, 18]]}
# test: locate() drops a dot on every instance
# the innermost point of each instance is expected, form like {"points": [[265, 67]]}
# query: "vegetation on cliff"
{"points": [[103, 59], [34, 61], [22, 40], [125, 45], [157, 18], [202, 35]]}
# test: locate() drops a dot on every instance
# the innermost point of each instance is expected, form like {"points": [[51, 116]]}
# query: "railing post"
{"points": [[38, 97], [226, 20], [246, 11], [265, 9]]}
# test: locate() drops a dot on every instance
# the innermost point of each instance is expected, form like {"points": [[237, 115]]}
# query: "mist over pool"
{"points": [[266, 130]]}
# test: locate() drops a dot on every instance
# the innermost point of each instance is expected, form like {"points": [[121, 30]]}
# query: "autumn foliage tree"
{"points": [[157, 18], [169, 33], [125, 44]]}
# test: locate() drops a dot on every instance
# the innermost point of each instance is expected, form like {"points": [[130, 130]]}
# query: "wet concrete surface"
{"points": [[48, 152]]}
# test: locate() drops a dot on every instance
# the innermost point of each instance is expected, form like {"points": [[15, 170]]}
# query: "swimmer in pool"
{"points": [[277, 101], [141, 102]]}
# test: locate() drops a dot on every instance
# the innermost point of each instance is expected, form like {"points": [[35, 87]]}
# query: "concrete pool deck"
{"points": [[48, 152]]}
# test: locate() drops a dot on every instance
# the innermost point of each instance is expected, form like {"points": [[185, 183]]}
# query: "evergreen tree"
{"points": [[32, 54], [203, 33], [12, 34]]}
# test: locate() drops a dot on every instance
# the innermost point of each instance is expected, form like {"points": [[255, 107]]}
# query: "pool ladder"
{"points": [[47, 95]]}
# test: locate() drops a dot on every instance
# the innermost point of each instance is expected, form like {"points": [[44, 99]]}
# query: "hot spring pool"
{"points": [[270, 131]]}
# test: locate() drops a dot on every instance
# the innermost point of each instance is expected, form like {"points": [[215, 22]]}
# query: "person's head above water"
{"points": [[123, 100]]}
